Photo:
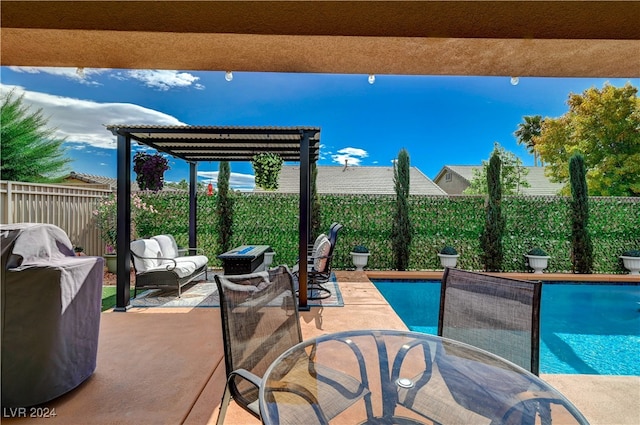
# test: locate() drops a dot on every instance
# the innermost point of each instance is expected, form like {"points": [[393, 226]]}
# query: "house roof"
{"points": [[539, 183], [91, 179], [356, 180]]}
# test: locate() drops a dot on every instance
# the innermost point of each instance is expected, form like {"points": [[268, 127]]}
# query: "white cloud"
{"points": [[82, 121], [353, 156], [165, 79], [158, 79], [237, 181], [81, 75]]}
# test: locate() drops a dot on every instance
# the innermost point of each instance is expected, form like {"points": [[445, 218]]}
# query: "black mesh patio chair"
{"points": [[323, 274], [319, 259], [498, 314], [259, 322]]}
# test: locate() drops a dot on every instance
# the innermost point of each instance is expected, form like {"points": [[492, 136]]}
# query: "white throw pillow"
{"points": [[168, 245]]}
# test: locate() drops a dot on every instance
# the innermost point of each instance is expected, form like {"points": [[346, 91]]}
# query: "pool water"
{"points": [[584, 328]]}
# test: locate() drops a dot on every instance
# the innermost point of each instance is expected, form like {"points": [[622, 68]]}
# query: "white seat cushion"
{"points": [[319, 263], [181, 269], [197, 260], [317, 242], [146, 248], [168, 245]]}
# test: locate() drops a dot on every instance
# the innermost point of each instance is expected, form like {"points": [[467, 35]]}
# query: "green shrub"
{"points": [[360, 249], [448, 250], [538, 252]]}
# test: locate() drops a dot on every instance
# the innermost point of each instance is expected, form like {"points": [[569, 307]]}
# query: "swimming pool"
{"points": [[584, 328]]}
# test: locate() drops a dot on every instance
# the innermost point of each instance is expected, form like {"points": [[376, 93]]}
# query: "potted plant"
{"points": [[537, 259], [360, 256], [448, 256], [79, 251], [268, 258], [111, 258], [150, 170], [631, 261], [266, 167]]}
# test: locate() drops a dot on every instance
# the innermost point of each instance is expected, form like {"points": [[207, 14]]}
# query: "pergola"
{"points": [[207, 143]]}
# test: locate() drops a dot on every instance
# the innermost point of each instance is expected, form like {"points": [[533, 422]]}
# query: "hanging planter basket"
{"points": [[150, 170], [266, 167]]}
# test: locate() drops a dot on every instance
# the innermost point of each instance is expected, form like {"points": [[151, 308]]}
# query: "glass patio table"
{"points": [[401, 377]]}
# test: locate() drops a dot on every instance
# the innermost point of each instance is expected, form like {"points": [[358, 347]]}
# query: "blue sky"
{"points": [[440, 120]]}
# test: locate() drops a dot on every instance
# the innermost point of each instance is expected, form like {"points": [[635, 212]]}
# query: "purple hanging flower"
{"points": [[150, 170]]}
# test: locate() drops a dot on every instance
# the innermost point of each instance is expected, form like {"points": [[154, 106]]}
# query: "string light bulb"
{"points": [[515, 81], [228, 76], [371, 79]]}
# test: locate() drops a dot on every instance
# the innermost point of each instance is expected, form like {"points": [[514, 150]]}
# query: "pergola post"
{"points": [[303, 227], [123, 224], [193, 204]]}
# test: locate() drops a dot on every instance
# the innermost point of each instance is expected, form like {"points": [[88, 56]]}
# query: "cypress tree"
{"points": [[581, 247], [401, 228], [224, 208], [491, 237]]}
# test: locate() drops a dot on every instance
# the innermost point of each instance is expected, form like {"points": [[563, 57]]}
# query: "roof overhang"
{"points": [[491, 38], [213, 143]]}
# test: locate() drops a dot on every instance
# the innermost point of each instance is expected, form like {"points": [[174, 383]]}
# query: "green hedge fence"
{"points": [[272, 219]]}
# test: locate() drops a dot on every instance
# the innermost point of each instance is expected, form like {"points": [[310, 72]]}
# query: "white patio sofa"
{"points": [[159, 263]]}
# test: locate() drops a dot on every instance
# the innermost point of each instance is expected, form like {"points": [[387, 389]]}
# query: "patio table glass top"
{"points": [[401, 377]]}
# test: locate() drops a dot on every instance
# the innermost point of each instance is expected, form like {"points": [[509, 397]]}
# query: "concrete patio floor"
{"points": [[165, 366]]}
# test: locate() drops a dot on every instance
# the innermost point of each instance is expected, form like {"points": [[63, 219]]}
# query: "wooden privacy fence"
{"points": [[68, 207]]}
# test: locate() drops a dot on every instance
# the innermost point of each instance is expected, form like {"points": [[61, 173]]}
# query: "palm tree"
{"points": [[527, 130]]}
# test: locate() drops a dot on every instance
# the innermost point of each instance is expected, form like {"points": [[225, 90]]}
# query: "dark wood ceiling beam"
{"points": [[490, 38], [435, 18]]}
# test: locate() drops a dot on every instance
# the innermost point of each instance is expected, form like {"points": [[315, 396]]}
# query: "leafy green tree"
{"points": [[491, 237], [224, 208], [526, 133], [581, 247], [513, 175], [604, 125], [30, 152], [401, 231]]}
